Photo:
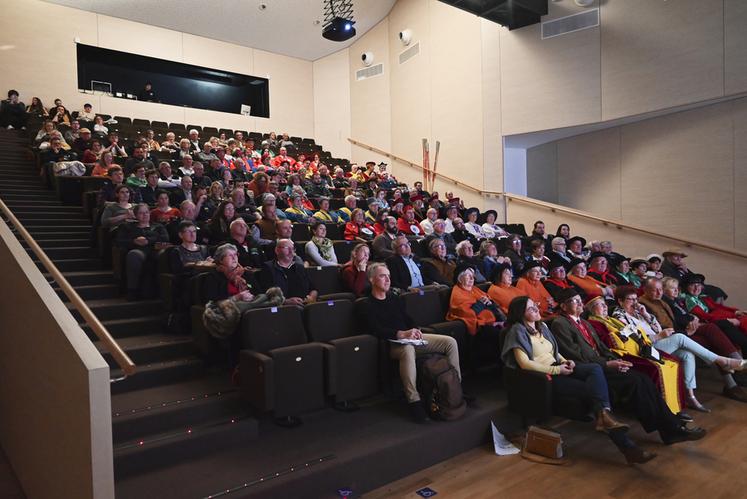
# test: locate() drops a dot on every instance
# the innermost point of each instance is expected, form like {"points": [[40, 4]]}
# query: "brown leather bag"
{"points": [[543, 442]]}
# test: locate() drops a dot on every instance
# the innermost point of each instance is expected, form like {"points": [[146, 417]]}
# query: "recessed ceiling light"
{"points": [[317, 22]]}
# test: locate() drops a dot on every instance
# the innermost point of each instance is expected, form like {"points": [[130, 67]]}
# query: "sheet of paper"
{"points": [[409, 341], [502, 446]]}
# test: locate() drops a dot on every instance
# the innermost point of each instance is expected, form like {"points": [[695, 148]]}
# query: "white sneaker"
{"points": [[10, 127]]}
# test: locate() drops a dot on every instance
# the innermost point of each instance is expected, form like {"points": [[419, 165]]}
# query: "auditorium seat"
{"points": [[280, 371], [301, 232], [194, 127], [328, 283], [426, 311], [228, 132], [343, 250], [141, 122], [123, 120], [159, 124], [351, 359]]}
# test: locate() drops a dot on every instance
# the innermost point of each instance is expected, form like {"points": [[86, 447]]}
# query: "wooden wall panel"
{"points": [[542, 172], [739, 118], [589, 172], [658, 54], [677, 173], [735, 46]]}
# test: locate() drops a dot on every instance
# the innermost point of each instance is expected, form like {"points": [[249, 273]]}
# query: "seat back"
{"points": [[334, 231], [266, 329], [424, 307], [300, 232], [343, 250], [329, 320], [326, 280]]}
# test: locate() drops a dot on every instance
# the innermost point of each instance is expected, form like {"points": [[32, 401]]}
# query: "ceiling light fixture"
{"points": [[338, 20]]}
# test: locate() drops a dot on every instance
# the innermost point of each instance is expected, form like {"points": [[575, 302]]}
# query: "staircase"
{"points": [[175, 407]]}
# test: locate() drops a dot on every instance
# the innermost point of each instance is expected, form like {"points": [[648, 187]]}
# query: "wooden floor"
{"points": [[714, 467]]}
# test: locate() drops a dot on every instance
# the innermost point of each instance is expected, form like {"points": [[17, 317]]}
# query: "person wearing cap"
{"points": [[557, 280], [675, 266], [599, 265], [530, 284], [418, 205], [502, 291], [408, 225], [296, 212], [622, 273], [631, 312], [653, 262], [470, 223], [705, 307], [708, 335], [476, 310], [578, 341], [575, 248], [579, 277], [405, 268], [490, 228], [529, 345], [373, 209], [639, 269]]}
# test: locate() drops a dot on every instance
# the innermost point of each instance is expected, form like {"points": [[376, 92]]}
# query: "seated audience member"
{"points": [[194, 140], [599, 269], [557, 280], [149, 192], [117, 150], [141, 240], [169, 143], [60, 116], [388, 320], [590, 286], [502, 291], [99, 169], [373, 209], [705, 307], [297, 213], [167, 179], [622, 274], [214, 196], [319, 250], [638, 270], [152, 143], [37, 108], [634, 314], [470, 223], [244, 207], [183, 192], [460, 234], [663, 369], [575, 248], [578, 341], [438, 268], [187, 167], [439, 232], [466, 255], [137, 179], [404, 267], [559, 246], [654, 266], [563, 231], [707, 335], [283, 157], [199, 179], [382, 243], [537, 254], [317, 187], [219, 225], [250, 255], [347, 210], [187, 253], [259, 184], [529, 345], [107, 191], [73, 134], [89, 149], [286, 273], [530, 284], [230, 279], [514, 254], [294, 184], [164, 213], [538, 231], [100, 130], [427, 224], [120, 211], [358, 228], [325, 214], [408, 225], [353, 273], [491, 229], [685, 321], [56, 153], [489, 258], [183, 151], [45, 133], [269, 217], [86, 114]]}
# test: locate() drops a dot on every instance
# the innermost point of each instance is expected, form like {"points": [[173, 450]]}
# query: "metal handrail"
{"points": [[120, 357], [562, 209]]}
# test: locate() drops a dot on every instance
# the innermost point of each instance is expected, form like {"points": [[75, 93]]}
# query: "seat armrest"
{"points": [[257, 379]]}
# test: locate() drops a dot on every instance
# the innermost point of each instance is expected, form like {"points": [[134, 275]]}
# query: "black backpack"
{"points": [[440, 387]]}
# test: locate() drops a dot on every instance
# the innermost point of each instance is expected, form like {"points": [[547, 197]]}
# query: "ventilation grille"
{"points": [[370, 72], [569, 24], [409, 53]]}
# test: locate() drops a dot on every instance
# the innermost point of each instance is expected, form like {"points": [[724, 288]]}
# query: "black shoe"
{"points": [[417, 412], [684, 434], [636, 455], [685, 417]]}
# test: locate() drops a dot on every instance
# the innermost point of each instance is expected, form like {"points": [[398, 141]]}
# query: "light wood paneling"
{"points": [[658, 54], [735, 46], [137, 38], [739, 116], [208, 53], [492, 143], [549, 83], [677, 173], [589, 172], [542, 172], [332, 102]]}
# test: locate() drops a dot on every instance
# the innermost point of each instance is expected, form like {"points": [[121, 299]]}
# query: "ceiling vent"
{"points": [[570, 24], [409, 53], [369, 72]]}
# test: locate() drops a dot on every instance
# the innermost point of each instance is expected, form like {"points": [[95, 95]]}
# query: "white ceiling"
{"points": [[284, 27]]}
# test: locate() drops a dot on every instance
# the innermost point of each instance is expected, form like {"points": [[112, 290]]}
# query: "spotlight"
{"points": [[339, 30]]}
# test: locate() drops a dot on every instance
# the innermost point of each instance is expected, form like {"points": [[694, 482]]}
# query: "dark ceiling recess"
{"points": [[510, 13]]}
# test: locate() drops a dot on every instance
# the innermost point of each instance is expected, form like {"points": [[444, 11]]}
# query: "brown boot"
{"points": [[636, 455], [605, 422]]}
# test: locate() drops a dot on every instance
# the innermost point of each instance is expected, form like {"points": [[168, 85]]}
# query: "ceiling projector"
{"points": [[339, 30]]}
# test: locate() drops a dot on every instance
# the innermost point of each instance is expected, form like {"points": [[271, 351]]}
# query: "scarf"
{"points": [[235, 276], [325, 247], [692, 301]]}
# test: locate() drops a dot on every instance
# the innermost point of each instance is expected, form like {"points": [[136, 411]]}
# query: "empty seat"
{"points": [[141, 122], [210, 131], [300, 232], [343, 249], [425, 309], [328, 282], [177, 127], [123, 120], [159, 124], [280, 371], [333, 231], [351, 365], [228, 132], [194, 127]]}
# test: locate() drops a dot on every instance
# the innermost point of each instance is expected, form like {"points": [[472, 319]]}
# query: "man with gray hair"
{"points": [[250, 255], [194, 141], [287, 274], [439, 231], [404, 266], [388, 320], [351, 203], [427, 224]]}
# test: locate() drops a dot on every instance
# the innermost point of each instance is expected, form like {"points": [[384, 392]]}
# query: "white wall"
{"points": [[332, 103]]}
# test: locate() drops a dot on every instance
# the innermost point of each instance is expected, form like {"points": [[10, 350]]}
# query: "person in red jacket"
{"points": [[407, 224], [705, 307], [357, 229]]}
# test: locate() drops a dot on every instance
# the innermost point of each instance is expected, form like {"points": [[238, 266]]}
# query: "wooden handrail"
{"points": [[557, 208], [409, 163], [622, 225], [119, 355]]}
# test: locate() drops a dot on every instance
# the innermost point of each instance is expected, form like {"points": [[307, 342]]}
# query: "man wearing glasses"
{"points": [[405, 267]]}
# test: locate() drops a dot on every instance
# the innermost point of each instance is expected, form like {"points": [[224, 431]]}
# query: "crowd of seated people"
{"points": [[577, 311]]}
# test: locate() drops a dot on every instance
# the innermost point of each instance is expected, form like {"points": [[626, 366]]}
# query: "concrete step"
{"points": [[151, 348], [118, 308], [124, 328], [161, 373], [93, 292]]}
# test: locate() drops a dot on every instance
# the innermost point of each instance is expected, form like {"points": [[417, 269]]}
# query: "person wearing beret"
{"points": [[502, 291], [471, 224], [639, 268], [578, 276], [621, 272], [578, 341], [634, 314], [557, 280], [705, 307], [491, 229], [530, 285], [575, 248], [674, 265], [473, 306], [599, 265]]}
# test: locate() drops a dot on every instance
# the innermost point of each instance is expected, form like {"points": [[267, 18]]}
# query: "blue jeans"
{"points": [[586, 383], [686, 349]]}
